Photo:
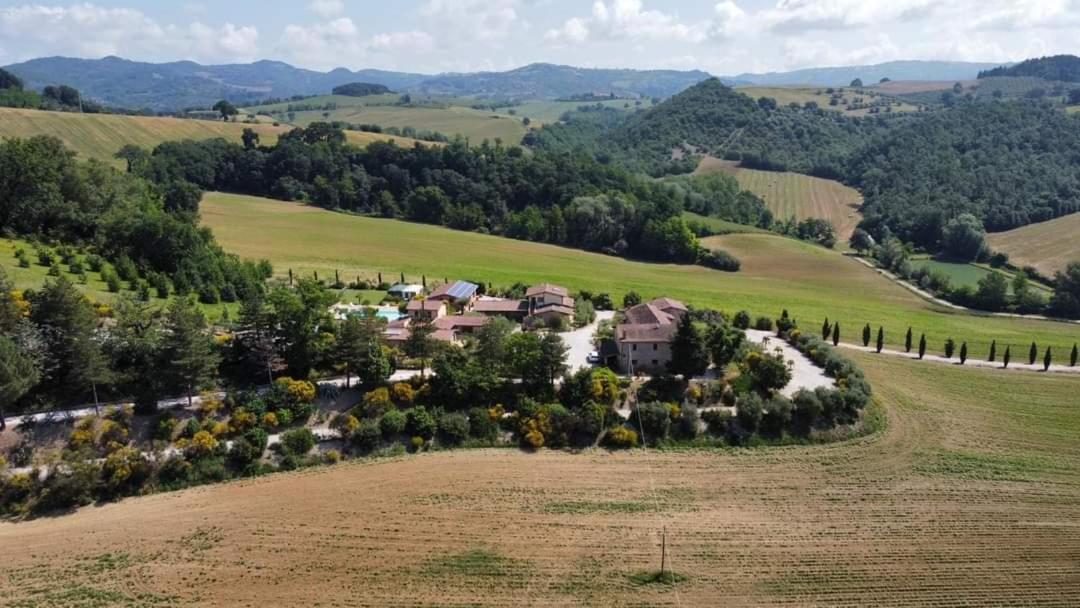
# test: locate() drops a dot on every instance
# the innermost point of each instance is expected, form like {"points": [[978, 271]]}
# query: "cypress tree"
{"points": [[836, 334], [907, 341], [950, 348], [402, 278], [380, 278], [1008, 356], [1046, 360], [866, 335], [993, 351], [290, 277], [423, 280], [1033, 354], [963, 353], [825, 329], [337, 277], [880, 338], [922, 346], [1074, 356]]}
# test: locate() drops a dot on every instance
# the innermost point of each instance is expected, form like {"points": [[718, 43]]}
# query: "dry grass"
{"points": [[904, 87], [969, 497], [1048, 246], [795, 195], [102, 135], [801, 95]]}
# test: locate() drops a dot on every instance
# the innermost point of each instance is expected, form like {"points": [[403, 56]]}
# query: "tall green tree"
{"points": [[134, 345], [993, 352], [836, 334], [1007, 357], [226, 109], [880, 339], [922, 346], [826, 329], [1033, 354], [689, 355], [297, 316], [374, 368], [68, 323], [18, 374], [723, 342], [350, 346], [950, 348], [1074, 356], [866, 335], [420, 344], [963, 353], [187, 348], [1047, 359], [907, 341]]}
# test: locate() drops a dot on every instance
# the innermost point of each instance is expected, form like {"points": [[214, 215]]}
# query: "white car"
{"points": [[594, 357]]}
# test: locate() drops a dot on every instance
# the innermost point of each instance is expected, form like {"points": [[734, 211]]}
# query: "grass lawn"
{"points": [[961, 274], [476, 125], [546, 111], [795, 195], [811, 282], [1048, 246], [100, 136], [720, 226]]}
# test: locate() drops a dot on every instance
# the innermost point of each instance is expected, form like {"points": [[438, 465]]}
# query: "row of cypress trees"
{"points": [[833, 331]]}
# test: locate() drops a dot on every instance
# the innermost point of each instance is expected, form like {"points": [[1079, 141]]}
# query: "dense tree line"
{"points": [[1064, 68], [360, 89], [566, 199]]}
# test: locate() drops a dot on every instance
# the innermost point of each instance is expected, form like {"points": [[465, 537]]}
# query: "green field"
{"points": [[551, 111], [795, 195], [1048, 246], [720, 226], [100, 136], [777, 273], [443, 116], [802, 95]]}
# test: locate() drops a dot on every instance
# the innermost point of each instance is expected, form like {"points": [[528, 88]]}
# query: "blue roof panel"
{"points": [[462, 289]]}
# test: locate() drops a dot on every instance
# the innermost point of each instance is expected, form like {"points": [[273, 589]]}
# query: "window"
{"points": [[655, 362], [655, 346], [635, 347]]}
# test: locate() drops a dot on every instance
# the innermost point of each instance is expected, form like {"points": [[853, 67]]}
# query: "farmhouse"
{"points": [[446, 328], [405, 291], [549, 303], [644, 337], [459, 293], [515, 310], [425, 309]]}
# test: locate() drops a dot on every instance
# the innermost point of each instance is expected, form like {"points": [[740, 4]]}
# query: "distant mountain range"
{"points": [[842, 76], [182, 84]]}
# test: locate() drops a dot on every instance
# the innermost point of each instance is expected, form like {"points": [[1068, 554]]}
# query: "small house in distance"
{"points": [[515, 310], [644, 337], [405, 291], [549, 303]]}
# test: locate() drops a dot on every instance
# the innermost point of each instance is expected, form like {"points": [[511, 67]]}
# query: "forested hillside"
{"points": [[715, 119], [1065, 68], [1007, 163]]}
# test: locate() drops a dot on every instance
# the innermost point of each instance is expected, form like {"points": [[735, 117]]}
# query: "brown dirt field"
{"points": [[1048, 246], [969, 497]]}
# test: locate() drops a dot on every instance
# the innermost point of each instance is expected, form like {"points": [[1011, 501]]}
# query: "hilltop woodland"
{"points": [[566, 199], [1007, 163]]}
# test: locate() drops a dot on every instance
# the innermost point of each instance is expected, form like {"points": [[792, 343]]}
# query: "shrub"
{"points": [[242, 420], [453, 429], [763, 324], [686, 425], [297, 391], [284, 417], [270, 420], [243, 454], [298, 442], [807, 409], [377, 402], [621, 437], [344, 425], [392, 423], [776, 416], [481, 425], [403, 394], [124, 471], [367, 436], [329, 391], [741, 320], [420, 423], [202, 444], [69, 486], [749, 411], [768, 372], [720, 260], [416, 444], [654, 419], [165, 427]]}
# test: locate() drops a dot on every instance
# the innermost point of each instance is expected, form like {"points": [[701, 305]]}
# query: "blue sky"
{"points": [[722, 37]]}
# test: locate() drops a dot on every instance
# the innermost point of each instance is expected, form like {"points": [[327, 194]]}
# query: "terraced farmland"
{"points": [[100, 136], [969, 496], [1048, 246], [777, 273], [796, 195]]}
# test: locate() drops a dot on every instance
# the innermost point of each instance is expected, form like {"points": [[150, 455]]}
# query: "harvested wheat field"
{"points": [[959, 500], [1048, 246], [795, 195]]}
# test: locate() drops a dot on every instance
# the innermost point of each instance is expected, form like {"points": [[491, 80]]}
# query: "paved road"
{"points": [[1018, 362], [580, 342]]}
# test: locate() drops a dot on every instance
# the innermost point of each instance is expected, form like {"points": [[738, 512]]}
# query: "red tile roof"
{"points": [[546, 288]]}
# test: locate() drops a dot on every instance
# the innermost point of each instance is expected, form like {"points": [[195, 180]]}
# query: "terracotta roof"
{"points": [[656, 321], [417, 305], [499, 306], [543, 288], [645, 333], [444, 335], [647, 314], [668, 304], [454, 321]]}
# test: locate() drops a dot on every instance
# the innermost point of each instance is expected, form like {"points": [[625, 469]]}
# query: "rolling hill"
{"points": [[100, 136], [795, 195], [1048, 246], [169, 86], [950, 71]]}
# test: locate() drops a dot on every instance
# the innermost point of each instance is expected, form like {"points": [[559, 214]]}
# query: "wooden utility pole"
{"points": [[663, 552]]}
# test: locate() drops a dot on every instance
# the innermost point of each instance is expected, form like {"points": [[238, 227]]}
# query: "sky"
{"points": [[429, 36]]}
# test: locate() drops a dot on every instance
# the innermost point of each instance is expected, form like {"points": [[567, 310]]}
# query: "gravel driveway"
{"points": [[804, 374], [580, 342]]}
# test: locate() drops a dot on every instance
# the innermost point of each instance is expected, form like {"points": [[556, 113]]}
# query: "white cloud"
{"points": [[414, 41], [630, 20], [471, 20], [327, 8], [803, 15], [88, 30]]}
